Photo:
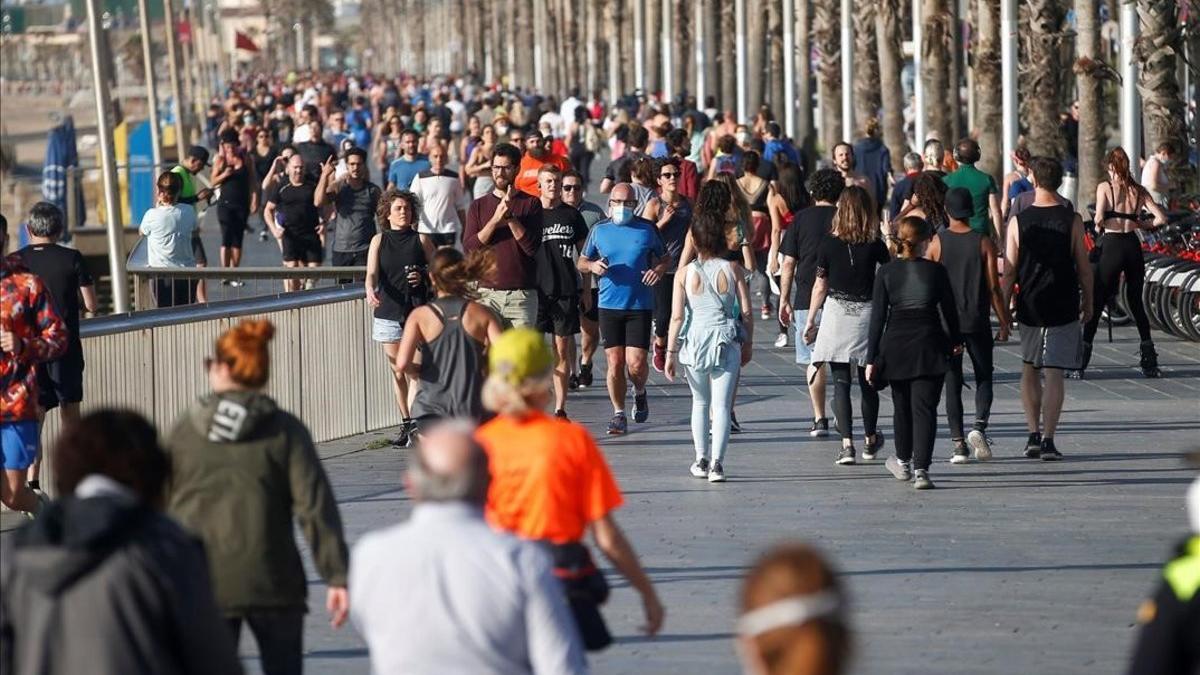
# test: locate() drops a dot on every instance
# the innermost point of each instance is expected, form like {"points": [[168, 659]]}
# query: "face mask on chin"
{"points": [[621, 215]]}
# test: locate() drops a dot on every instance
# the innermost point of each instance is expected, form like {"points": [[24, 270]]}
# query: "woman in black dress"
{"points": [[909, 348]]}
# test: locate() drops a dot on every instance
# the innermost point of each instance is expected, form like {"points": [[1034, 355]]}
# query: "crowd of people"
{"points": [[491, 286]]}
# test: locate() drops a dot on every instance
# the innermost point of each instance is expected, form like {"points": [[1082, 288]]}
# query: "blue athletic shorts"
{"points": [[19, 441]]}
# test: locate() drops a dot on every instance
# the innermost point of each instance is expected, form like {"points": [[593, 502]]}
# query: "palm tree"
{"points": [[775, 57], [523, 15], [1090, 73], [756, 39], [1158, 48], [1045, 77], [683, 62], [988, 123], [887, 38], [711, 10], [936, 52], [829, 77], [728, 56], [652, 39], [866, 63]]}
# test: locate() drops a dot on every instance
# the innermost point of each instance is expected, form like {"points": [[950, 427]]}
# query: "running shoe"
{"points": [[781, 341], [641, 408], [618, 424], [34, 485], [819, 428], [921, 480], [700, 468], [871, 447], [573, 382], [735, 427], [717, 473], [766, 312], [1033, 446], [1049, 452], [1149, 360], [660, 358], [981, 444], [900, 469], [561, 414], [404, 438], [961, 453], [845, 456], [585, 375]]}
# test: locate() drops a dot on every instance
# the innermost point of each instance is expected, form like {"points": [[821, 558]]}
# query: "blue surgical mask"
{"points": [[622, 214]]}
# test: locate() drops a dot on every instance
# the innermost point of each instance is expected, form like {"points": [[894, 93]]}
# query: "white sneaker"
{"points": [[781, 341], [981, 444], [716, 474], [700, 468]]}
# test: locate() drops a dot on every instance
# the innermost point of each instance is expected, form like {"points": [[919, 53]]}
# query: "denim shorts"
{"points": [[803, 351], [386, 330], [19, 442]]}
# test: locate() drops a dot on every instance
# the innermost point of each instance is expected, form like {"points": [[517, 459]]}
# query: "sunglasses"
{"points": [[570, 188], [669, 174]]}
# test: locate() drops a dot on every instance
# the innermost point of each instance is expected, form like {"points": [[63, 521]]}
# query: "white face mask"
{"points": [[622, 214]]}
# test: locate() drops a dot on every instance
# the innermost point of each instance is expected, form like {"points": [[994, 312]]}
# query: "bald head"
{"points": [[450, 466], [621, 192]]}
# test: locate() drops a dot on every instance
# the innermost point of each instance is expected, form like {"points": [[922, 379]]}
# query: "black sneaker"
{"points": [[735, 427], [561, 414], [573, 382], [1149, 360], [404, 438], [641, 408], [1033, 447], [961, 454], [34, 485], [871, 447], [1049, 452], [819, 428], [845, 456], [585, 375], [618, 425]]}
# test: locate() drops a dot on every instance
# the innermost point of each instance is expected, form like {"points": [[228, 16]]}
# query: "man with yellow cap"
{"points": [[551, 483]]}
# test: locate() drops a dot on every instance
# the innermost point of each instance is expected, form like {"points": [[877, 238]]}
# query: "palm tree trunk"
{"points": [[775, 57], [652, 41], [756, 47], [711, 9], [628, 63], [1090, 73], [988, 120], [829, 78], [728, 56], [1158, 48], [954, 102], [1045, 78], [523, 17], [806, 136], [936, 51], [682, 11], [866, 63], [887, 36]]}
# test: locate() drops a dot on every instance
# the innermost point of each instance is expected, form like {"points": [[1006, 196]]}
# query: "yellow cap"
{"points": [[520, 354]]}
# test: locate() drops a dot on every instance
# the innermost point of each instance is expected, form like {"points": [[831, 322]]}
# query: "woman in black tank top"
{"points": [[233, 172]]}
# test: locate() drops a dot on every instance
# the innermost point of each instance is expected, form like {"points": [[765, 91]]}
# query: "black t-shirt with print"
{"points": [[563, 229]]}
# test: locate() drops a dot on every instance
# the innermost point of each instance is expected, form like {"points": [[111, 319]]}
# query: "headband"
{"points": [[792, 611]]}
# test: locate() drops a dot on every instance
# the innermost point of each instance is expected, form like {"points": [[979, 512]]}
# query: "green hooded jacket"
{"points": [[241, 469]]}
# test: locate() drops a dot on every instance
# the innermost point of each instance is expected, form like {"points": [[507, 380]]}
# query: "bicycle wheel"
{"points": [[1191, 309], [1155, 270], [1183, 305], [1172, 295]]}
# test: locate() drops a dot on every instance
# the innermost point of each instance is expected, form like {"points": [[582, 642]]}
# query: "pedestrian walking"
{"points": [[294, 219], [908, 348], [1016, 182], [388, 143], [845, 278], [1120, 202], [573, 192], [536, 156], [1156, 178], [970, 260], [927, 202], [903, 188], [628, 256], [104, 538], [397, 261], [409, 163], [845, 162], [711, 339], [508, 222], [671, 213], [191, 192], [444, 592], [551, 483], [793, 615], [31, 332], [799, 250], [443, 202], [451, 333], [478, 167], [237, 197], [169, 228], [873, 160], [1047, 259], [786, 198], [984, 193], [243, 471], [355, 200]]}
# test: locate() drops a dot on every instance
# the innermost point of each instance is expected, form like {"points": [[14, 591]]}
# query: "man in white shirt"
{"points": [[444, 593], [168, 229], [567, 109], [443, 202]]}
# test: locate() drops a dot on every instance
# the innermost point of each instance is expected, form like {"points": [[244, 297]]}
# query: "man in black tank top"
{"points": [[1048, 263], [970, 260]]}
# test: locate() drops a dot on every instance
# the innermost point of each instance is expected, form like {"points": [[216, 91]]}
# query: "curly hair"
{"points": [[826, 185], [929, 192], [384, 209]]}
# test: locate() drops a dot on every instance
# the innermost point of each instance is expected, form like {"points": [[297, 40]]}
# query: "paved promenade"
{"points": [[1014, 566]]}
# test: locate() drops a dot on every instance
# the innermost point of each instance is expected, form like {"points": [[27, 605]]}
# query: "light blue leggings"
{"points": [[712, 390]]}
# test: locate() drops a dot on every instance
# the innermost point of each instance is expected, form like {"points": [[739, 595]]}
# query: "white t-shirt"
{"points": [[556, 124], [168, 231], [441, 198]]}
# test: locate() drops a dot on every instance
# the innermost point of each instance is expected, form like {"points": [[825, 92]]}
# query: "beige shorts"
{"points": [[516, 309]]}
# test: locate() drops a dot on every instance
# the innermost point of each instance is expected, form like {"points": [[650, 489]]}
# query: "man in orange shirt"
{"points": [[550, 482], [536, 156]]}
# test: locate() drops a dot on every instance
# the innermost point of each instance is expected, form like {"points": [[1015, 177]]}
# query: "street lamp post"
{"points": [[789, 68], [919, 118], [172, 67], [847, 38], [1008, 73], [151, 86], [739, 20]]}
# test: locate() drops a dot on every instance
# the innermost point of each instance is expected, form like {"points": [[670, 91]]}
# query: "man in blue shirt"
{"points": [[774, 144], [628, 256], [410, 163]]}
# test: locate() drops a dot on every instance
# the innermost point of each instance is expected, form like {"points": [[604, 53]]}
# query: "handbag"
{"points": [[586, 589]]}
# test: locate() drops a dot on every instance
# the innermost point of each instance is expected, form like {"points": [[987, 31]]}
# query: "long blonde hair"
{"points": [[856, 221]]}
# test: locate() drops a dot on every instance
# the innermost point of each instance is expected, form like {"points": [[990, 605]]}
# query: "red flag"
{"points": [[243, 41]]}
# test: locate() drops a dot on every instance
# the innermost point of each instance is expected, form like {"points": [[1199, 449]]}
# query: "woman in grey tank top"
{"points": [[451, 332]]}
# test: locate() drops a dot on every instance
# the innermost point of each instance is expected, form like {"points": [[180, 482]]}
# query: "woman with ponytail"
{"points": [[451, 333], [909, 350], [1119, 205], [243, 472]]}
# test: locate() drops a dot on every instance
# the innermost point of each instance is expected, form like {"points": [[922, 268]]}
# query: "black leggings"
{"points": [[1119, 253], [662, 305], [979, 347], [842, 411], [915, 419]]}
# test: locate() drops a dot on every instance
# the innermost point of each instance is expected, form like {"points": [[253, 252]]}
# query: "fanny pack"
{"points": [[586, 589]]}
